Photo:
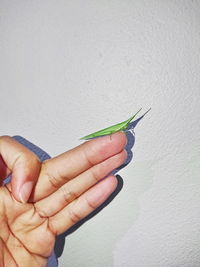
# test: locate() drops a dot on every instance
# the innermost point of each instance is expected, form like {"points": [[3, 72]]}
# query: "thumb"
{"points": [[22, 163]]}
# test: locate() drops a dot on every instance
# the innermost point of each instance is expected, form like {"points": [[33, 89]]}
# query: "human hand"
{"points": [[69, 187]]}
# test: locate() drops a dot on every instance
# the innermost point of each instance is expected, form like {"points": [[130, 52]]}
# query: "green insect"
{"points": [[122, 126]]}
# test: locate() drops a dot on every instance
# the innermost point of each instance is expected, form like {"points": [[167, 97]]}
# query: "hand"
{"points": [[68, 188]]}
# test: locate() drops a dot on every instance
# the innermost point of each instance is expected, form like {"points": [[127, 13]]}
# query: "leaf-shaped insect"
{"points": [[122, 126]]}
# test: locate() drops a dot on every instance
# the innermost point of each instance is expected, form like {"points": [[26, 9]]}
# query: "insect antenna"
{"points": [[146, 112]]}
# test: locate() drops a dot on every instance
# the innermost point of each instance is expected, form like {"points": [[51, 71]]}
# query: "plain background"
{"points": [[68, 68]]}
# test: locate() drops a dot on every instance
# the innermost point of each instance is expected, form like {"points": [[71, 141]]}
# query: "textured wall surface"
{"points": [[71, 67]]}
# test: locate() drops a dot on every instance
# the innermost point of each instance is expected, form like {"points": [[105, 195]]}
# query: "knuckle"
{"points": [[25, 156], [90, 204], [40, 212], [87, 157], [74, 216], [95, 173], [55, 182], [35, 160], [19, 159], [54, 176], [68, 195]]}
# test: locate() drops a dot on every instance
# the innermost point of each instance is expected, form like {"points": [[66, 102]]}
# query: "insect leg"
{"points": [[110, 134]]}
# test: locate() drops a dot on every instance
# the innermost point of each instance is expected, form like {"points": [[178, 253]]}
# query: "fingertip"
{"points": [[104, 147], [24, 176], [120, 137], [25, 191], [101, 191], [111, 183]]}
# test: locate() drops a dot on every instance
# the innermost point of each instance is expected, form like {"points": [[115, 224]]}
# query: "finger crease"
{"points": [[41, 213], [95, 176], [53, 181], [74, 217], [88, 159], [68, 195], [90, 205]]}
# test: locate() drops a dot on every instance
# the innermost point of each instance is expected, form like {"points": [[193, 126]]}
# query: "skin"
{"points": [[66, 189], [122, 126]]}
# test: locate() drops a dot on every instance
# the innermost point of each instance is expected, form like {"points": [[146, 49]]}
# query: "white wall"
{"points": [[70, 67]]}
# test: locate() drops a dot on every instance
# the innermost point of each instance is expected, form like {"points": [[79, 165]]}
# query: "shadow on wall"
{"points": [[60, 240]]}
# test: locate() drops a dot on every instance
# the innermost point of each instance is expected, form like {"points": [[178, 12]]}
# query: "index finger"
{"points": [[59, 170]]}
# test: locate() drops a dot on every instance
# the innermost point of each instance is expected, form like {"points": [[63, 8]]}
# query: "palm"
{"points": [[24, 233]]}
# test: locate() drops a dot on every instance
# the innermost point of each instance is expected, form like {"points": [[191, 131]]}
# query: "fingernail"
{"points": [[25, 191]]}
